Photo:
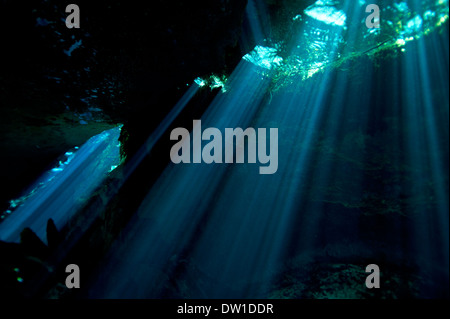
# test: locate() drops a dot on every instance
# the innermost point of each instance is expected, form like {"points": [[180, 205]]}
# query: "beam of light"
{"points": [[427, 127], [225, 230], [59, 193]]}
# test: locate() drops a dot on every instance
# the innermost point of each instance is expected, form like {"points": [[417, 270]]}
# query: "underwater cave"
{"points": [[103, 164]]}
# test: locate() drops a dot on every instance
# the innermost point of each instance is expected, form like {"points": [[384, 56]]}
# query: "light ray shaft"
{"points": [[426, 157], [66, 192]]}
